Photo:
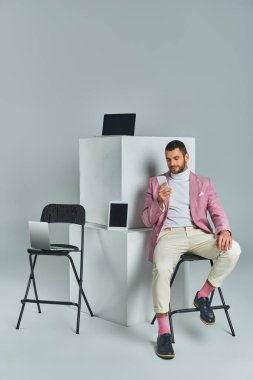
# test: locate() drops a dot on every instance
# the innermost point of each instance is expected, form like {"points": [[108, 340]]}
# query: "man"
{"points": [[177, 213]]}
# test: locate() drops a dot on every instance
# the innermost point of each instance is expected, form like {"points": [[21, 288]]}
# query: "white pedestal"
{"points": [[117, 275]]}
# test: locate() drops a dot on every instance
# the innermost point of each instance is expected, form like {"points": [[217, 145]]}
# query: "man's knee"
{"points": [[162, 271], [235, 251], [236, 248]]}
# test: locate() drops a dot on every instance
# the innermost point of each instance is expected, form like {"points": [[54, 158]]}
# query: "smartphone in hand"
{"points": [[161, 180]]}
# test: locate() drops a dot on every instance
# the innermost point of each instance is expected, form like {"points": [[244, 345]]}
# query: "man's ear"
{"points": [[187, 157]]}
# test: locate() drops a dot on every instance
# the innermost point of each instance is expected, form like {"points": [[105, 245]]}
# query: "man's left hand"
{"points": [[224, 240]]}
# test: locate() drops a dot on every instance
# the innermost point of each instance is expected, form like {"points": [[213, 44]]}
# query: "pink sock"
{"points": [[163, 325], [206, 290]]}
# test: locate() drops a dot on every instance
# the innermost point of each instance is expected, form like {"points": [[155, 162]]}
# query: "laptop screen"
{"points": [[119, 124], [39, 235]]}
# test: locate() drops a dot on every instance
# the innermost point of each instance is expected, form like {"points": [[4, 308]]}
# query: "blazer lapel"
{"points": [[193, 184], [168, 180]]}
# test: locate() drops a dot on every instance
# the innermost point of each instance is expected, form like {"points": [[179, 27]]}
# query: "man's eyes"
{"points": [[169, 160]]}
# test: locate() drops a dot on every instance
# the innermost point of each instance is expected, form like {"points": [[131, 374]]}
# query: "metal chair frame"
{"points": [[224, 306], [66, 250]]}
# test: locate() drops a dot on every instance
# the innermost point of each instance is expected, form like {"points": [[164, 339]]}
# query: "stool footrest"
{"points": [[190, 310], [23, 301]]}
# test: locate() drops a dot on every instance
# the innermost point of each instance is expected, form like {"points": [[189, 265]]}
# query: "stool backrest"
{"points": [[63, 213]]}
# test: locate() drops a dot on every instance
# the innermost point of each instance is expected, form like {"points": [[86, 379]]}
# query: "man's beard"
{"points": [[181, 168]]}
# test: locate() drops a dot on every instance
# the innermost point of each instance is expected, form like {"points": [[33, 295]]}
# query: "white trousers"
{"points": [[171, 244]]}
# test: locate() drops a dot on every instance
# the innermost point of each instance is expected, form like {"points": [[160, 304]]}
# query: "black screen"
{"points": [[119, 124], [118, 215]]}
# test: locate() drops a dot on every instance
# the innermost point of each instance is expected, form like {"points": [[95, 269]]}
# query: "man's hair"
{"points": [[176, 144]]}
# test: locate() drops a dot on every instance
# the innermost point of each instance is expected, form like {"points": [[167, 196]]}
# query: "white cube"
{"points": [[117, 275]]}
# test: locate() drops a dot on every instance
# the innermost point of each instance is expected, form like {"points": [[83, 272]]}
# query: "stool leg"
{"points": [[153, 320], [224, 306], [27, 291], [32, 265], [211, 298], [77, 279], [226, 312], [171, 326], [80, 283]]}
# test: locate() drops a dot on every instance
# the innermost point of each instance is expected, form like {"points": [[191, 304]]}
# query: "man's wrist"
{"points": [[225, 231]]}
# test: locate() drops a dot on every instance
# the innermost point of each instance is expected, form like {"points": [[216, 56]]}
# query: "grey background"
{"points": [[185, 68]]}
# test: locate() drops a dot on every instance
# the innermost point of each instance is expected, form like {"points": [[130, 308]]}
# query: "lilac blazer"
{"points": [[203, 198]]}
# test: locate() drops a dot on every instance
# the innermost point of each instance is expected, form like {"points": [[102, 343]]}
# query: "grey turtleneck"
{"points": [[179, 202]]}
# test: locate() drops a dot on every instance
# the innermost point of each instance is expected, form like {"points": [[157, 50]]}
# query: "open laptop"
{"points": [[119, 124], [39, 236]]}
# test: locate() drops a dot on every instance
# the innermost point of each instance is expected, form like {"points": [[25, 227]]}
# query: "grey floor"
{"points": [[46, 346]]}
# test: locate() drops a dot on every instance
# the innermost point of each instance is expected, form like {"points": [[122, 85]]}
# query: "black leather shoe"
{"points": [[164, 347], [206, 313]]}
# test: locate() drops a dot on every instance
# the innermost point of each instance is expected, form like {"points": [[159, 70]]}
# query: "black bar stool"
{"points": [[59, 213], [191, 257]]}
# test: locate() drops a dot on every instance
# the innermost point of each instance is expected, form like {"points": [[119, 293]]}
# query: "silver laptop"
{"points": [[39, 236]]}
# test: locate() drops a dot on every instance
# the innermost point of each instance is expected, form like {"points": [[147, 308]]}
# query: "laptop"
{"points": [[39, 236], [117, 215], [119, 124]]}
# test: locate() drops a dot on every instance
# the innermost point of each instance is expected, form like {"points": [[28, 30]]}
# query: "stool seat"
{"points": [[57, 250], [188, 256]]}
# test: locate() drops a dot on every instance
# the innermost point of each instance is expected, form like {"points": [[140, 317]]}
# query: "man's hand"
{"points": [[163, 194], [224, 241]]}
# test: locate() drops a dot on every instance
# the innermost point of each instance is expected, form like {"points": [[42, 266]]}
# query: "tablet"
{"points": [[117, 215]]}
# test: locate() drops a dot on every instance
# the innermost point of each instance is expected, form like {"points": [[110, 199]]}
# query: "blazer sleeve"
{"points": [[151, 211], [214, 207]]}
